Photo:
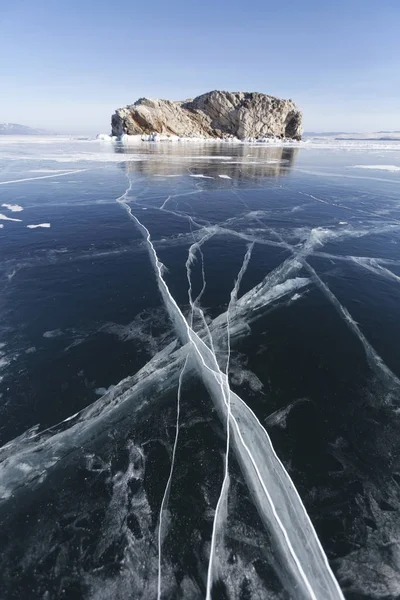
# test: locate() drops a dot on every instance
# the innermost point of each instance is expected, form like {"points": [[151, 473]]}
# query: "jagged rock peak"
{"points": [[215, 114]]}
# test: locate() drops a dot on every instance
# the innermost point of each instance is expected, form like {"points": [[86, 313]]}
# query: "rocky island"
{"points": [[216, 114]]}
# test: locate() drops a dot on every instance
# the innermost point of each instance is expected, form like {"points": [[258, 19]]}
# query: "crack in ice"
{"points": [[375, 360], [165, 498], [42, 177], [315, 561], [223, 498]]}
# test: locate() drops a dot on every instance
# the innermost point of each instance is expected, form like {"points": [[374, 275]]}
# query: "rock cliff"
{"points": [[213, 115]]}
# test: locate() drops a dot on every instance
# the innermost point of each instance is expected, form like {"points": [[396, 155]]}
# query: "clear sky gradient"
{"points": [[66, 65]]}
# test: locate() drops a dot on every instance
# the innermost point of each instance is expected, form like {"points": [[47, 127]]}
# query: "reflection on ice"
{"points": [[167, 160]]}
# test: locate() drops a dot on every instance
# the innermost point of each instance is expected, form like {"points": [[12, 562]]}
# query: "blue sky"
{"points": [[67, 65]]}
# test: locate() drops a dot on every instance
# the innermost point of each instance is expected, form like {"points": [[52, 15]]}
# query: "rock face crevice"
{"points": [[213, 115]]}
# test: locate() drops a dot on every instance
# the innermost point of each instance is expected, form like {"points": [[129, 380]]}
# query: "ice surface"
{"points": [[204, 351]]}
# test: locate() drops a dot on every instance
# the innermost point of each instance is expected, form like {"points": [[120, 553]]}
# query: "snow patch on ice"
{"points": [[13, 207], [295, 297], [201, 176], [100, 391], [392, 168], [39, 225], [71, 417], [25, 468], [5, 218], [53, 333], [4, 362], [279, 417], [224, 177], [104, 137]]}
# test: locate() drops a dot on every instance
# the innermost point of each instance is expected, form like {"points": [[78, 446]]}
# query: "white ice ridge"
{"points": [[303, 565], [44, 225]]}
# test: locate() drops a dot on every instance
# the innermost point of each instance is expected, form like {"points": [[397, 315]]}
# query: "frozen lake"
{"points": [[200, 370]]}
